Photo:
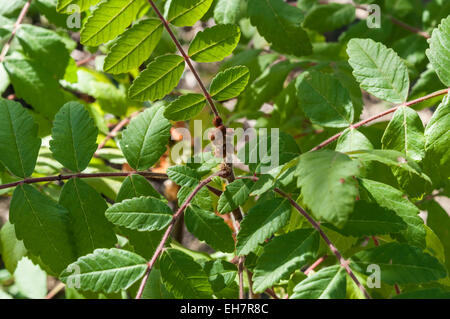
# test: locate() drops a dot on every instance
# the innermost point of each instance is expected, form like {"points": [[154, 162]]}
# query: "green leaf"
{"points": [[145, 139], [222, 275], [185, 13], [261, 222], [88, 225], [430, 293], [11, 249], [142, 213], [229, 83], [390, 158], [215, 43], [30, 279], [133, 47], [185, 107], [209, 227], [39, 43], [371, 219], [184, 277], [109, 19], [202, 199], [43, 225], [400, 263], [183, 175], [235, 195], [19, 144], [324, 100], [159, 78], [283, 255], [328, 283], [276, 15], [439, 51], [437, 140], [105, 270], [63, 5], [353, 140], [404, 133], [331, 175], [136, 186], [439, 221], [32, 82], [74, 137], [392, 199], [329, 17], [227, 11], [373, 67]]}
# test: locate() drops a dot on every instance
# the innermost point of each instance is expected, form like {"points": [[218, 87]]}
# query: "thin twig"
{"points": [[344, 263], [241, 277], [19, 21], [55, 290], [375, 117], [315, 264], [82, 175], [186, 58], [116, 130], [169, 229], [412, 29]]}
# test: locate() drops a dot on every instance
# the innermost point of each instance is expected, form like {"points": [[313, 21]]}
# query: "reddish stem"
{"points": [[344, 263], [375, 117], [169, 229], [81, 175], [19, 21]]}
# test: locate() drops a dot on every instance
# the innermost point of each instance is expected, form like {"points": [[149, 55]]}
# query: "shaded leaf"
{"points": [[235, 194], [329, 17], [136, 186]]}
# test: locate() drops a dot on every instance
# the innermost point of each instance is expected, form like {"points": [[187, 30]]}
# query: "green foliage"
{"points": [[92, 157], [108, 270], [328, 283], [373, 65], [19, 144], [144, 141], [74, 137], [332, 175], [439, 51], [159, 78], [215, 43]]}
